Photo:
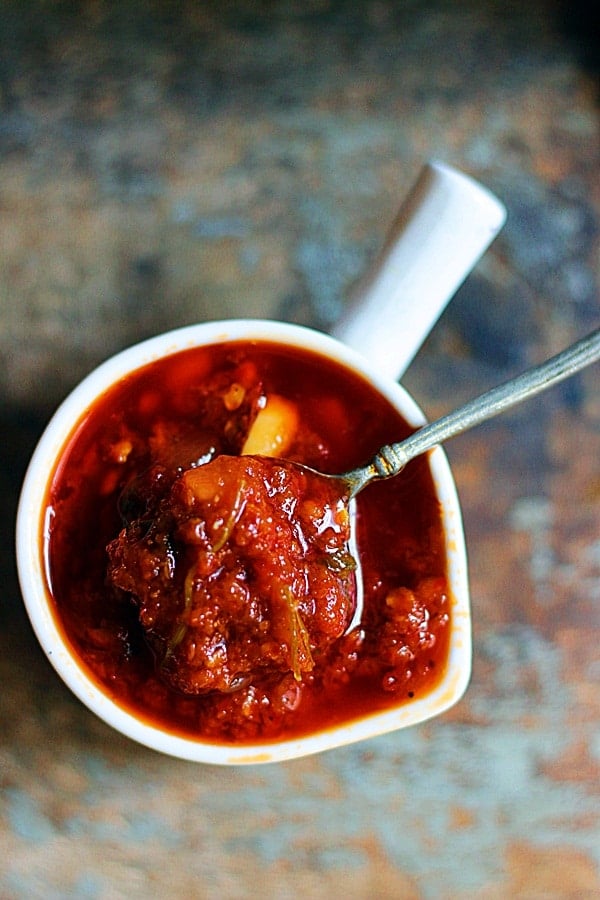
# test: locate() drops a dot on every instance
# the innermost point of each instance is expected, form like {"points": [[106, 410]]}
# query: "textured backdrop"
{"points": [[162, 163]]}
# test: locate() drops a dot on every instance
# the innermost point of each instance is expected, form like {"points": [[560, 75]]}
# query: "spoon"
{"points": [[391, 459]]}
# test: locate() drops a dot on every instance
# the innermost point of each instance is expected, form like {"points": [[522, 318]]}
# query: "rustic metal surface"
{"points": [[163, 163]]}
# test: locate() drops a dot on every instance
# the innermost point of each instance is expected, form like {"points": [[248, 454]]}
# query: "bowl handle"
{"points": [[443, 227]]}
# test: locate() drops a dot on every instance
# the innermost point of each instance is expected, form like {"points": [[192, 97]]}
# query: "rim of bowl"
{"points": [[31, 564]]}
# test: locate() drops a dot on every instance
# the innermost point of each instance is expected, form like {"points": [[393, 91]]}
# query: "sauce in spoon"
{"points": [[279, 533]]}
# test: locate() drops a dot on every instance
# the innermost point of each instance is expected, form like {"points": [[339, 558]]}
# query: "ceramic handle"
{"points": [[443, 227]]}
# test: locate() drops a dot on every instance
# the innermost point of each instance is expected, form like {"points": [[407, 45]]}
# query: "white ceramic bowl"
{"points": [[31, 566]]}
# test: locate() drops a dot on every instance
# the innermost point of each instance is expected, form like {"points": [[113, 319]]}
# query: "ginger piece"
{"points": [[274, 428]]}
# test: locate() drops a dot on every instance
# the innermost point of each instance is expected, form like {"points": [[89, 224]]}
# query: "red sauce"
{"points": [[226, 619]]}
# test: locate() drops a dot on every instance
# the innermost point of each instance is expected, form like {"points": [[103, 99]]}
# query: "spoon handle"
{"points": [[391, 459]]}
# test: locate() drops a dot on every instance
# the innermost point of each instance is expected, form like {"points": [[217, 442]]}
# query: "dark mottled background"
{"points": [[163, 163]]}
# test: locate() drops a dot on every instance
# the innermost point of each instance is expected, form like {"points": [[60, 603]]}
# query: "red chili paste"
{"points": [[210, 592]]}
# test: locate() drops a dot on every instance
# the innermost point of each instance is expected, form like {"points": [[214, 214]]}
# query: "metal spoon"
{"points": [[392, 458]]}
